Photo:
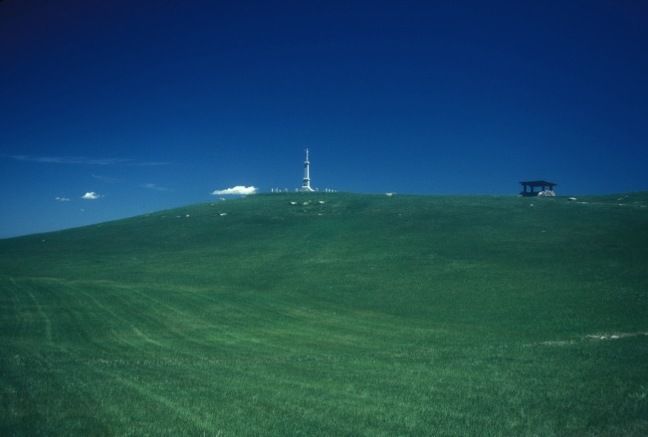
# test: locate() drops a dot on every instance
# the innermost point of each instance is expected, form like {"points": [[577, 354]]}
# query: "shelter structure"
{"points": [[529, 188]]}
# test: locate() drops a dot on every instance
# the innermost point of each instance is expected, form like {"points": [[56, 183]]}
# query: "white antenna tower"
{"points": [[306, 186]]}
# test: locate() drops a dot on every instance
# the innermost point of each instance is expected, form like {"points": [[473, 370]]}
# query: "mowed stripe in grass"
{"points": [[420, 316]]}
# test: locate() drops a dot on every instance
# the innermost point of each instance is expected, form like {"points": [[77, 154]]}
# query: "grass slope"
{"points": [[363, 315]]}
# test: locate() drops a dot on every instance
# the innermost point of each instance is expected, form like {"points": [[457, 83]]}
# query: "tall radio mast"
{"points": [[306, 186]]}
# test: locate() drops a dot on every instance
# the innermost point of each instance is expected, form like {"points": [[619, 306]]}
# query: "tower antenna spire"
{"points": [[306, 186]]}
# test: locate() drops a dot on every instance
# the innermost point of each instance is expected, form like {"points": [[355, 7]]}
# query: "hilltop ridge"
{"points": [[333, 313]]}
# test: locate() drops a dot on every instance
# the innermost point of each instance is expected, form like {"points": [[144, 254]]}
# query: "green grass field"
{"points": [[362, 315]]}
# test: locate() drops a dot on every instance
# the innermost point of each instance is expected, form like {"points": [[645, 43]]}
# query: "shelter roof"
{"points": [[538, 183]]}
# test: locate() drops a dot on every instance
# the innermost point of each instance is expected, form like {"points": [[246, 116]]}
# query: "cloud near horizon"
{"points": [[155, 187], [106, 179], [148, 163], [239, 190], [82, 160], [69, 160], [90, 195]]}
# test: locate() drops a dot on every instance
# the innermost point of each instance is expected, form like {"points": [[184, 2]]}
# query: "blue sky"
{"points": [[155, 104]]}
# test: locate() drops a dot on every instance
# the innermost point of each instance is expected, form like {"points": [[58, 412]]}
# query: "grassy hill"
{"points": [[361, 315]]}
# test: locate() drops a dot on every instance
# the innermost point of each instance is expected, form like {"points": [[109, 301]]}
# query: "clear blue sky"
{"points": [[154, 104]]}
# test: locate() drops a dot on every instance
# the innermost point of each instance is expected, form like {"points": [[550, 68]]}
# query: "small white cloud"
{"points": [[62, 199], [90, 195], [239, 190]]}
